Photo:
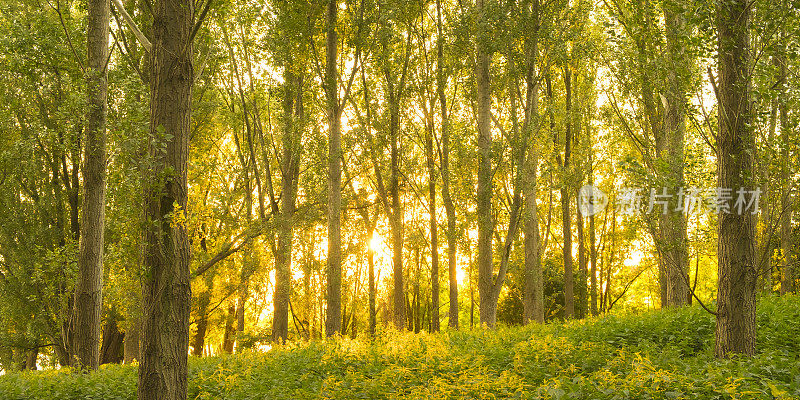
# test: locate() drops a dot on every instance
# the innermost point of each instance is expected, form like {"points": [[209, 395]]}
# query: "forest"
{"points": [[427, 199]]}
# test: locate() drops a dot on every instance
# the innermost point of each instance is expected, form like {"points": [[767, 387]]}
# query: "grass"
{"points": [[654, 355]]}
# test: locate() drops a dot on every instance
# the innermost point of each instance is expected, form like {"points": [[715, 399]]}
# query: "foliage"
{"points": [[654, 355]]}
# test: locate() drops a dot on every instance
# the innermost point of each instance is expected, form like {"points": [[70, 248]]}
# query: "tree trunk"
{"points": [[229, 337], [89, 283], [372, 286], [434, 229], [533, 294], [131, 343], [582, 265], [566, 215], [673, 239], [445, 167], [112, 350], [396, 217], [787, 270], [736, 294], [592, 249], [199, 340], [167, 290], [293, 114], [488, 308], [333, 317], [31, 357]]}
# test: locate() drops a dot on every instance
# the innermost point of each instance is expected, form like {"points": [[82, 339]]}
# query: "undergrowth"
{"points": [[655, 355]]}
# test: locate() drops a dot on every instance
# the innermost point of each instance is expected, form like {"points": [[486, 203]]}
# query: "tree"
{"points": [[533, 293], [88, 287], [293, 120], [163, 368], [484, 192], [434, 244], [736, 294], [333, 316], [787, 204], [394, 95], [672, 241], [449, 207], [566, 215]]}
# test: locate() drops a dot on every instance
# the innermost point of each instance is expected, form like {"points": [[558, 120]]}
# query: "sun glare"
{"points": [[376, 243], [461, 275]]}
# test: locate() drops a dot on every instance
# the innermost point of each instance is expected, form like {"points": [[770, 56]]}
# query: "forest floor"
{"points": [[654, 355]]}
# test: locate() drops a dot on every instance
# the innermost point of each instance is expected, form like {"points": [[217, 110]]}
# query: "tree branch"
{"points": [[127, 17]]}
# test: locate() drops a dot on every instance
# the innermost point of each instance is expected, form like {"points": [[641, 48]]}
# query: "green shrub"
{"points": [[654, 355]]}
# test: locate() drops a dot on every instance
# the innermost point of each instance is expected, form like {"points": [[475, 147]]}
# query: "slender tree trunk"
{"points": [[199, 340], [167, 290], [89, 283], [592, 249], [433, 228], [787, 270], [372, 286], [396, 216], [533, 295], [229, 336], [415, 303], [471, 293], [736, 294], [445, 166], [333, 317], [293, 114], [582, 266], [566, 215], [488, 308], [673, 237]]}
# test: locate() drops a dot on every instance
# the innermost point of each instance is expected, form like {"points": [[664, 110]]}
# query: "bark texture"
{"points": [[533, 293], [293, 114], [672, 239], [131, 342], [736, 289], [434, 231], [787, 202], [450, 210], [333, 317], [167, 291], [89, 283], [487, 308], [566, 215], [112, 350]]}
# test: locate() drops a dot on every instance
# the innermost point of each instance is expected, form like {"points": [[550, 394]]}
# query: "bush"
{"points": [[655, 355]]}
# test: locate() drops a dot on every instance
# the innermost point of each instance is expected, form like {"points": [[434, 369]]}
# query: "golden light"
{"points": [[376, 243], [461, 275], [634, 259]]}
